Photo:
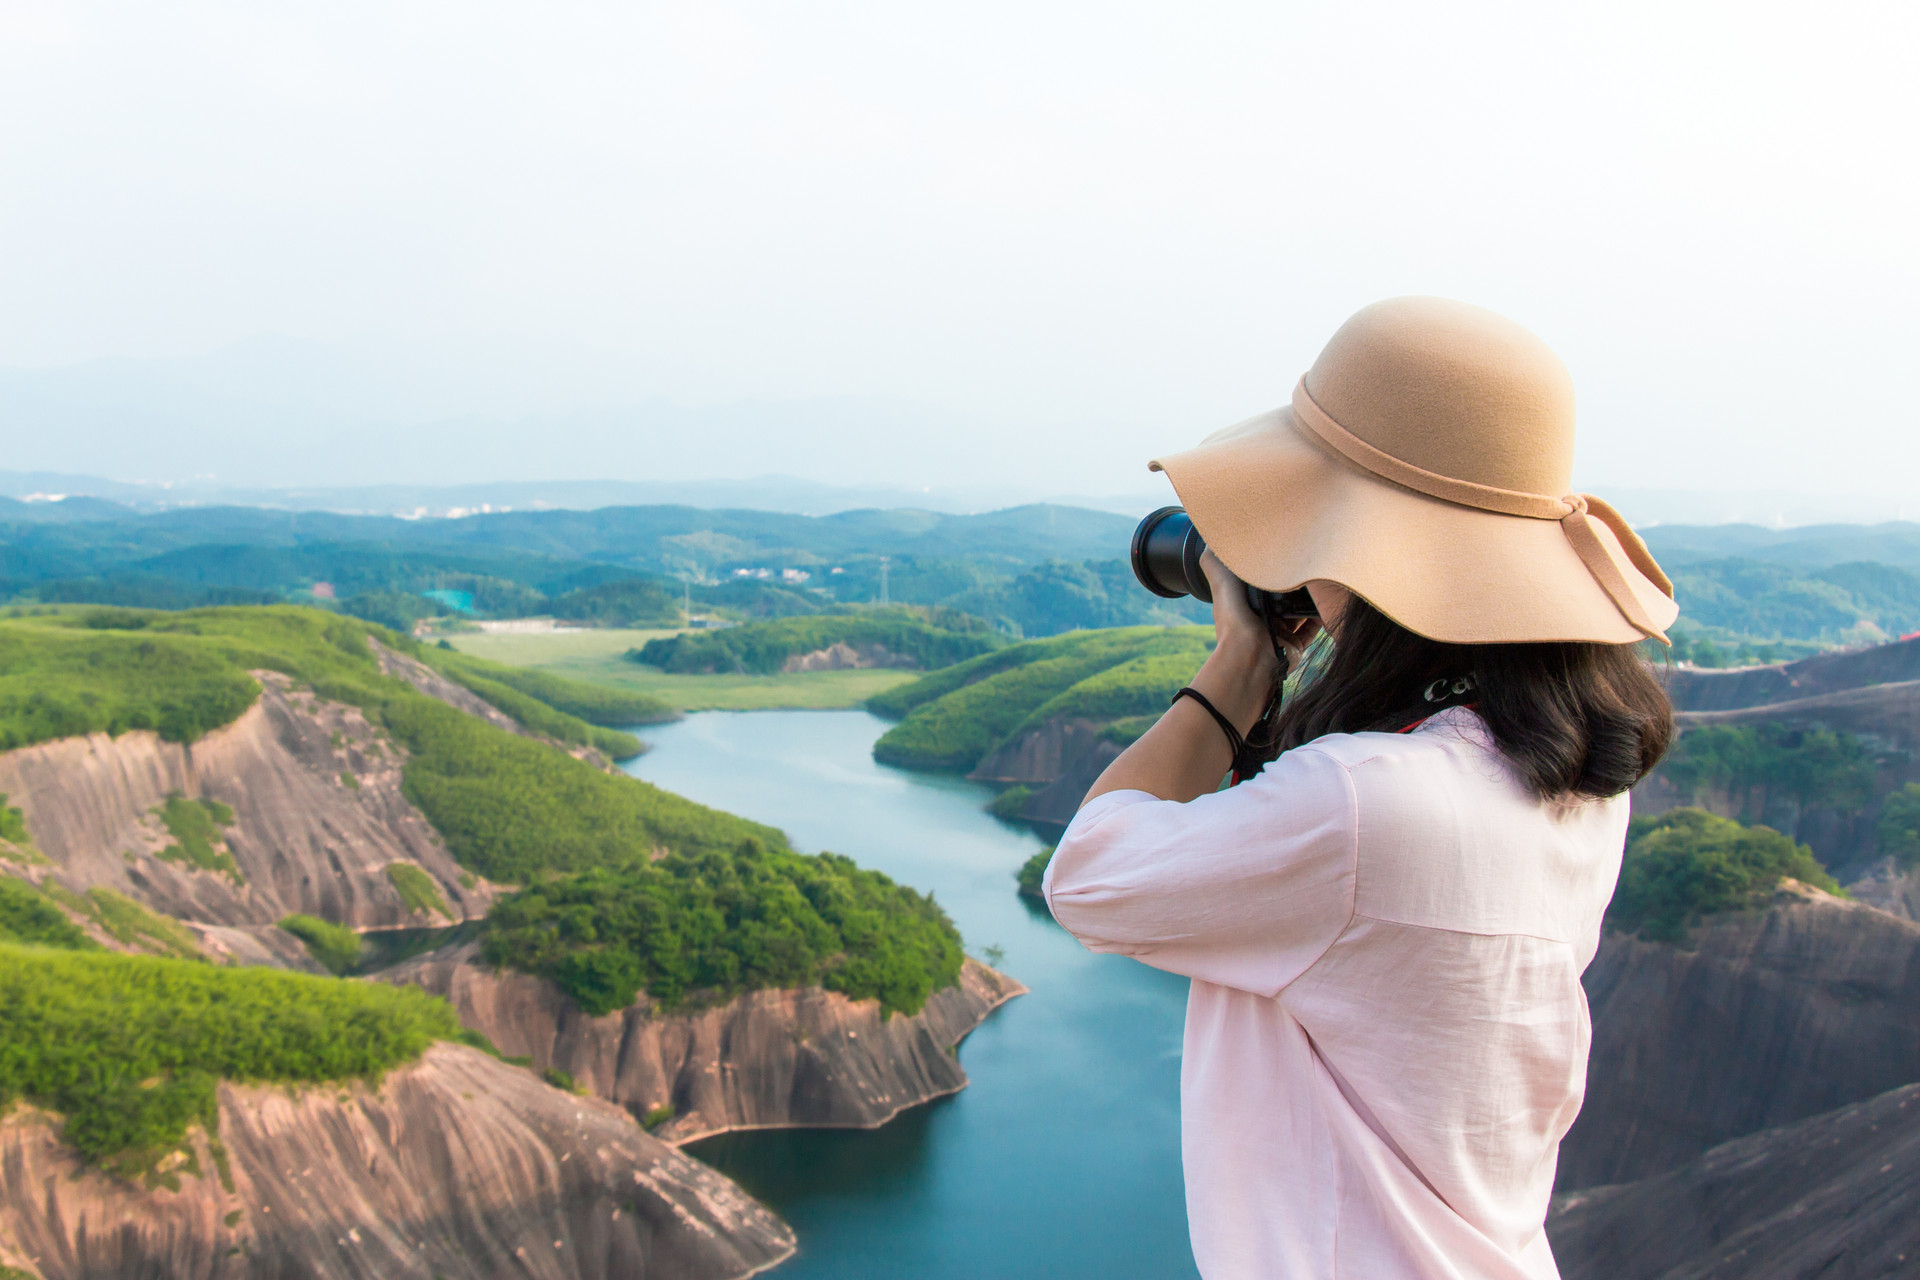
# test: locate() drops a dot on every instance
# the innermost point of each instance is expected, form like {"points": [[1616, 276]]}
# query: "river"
{"points": [[1061, 1160]]}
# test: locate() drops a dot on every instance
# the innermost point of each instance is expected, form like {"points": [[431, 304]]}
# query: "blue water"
{"points": [[1061, 1160], [460, 600]]}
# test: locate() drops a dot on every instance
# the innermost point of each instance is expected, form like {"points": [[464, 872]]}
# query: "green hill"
{"points": [[719, 923], [925, 638], [953, 718], [130, 1049], [1685, 864]]}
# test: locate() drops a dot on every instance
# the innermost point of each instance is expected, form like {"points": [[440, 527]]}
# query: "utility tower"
{"points": [[883, 579]]}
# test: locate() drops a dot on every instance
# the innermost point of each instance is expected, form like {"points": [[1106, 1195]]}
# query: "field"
{"points": [[598, 657]]}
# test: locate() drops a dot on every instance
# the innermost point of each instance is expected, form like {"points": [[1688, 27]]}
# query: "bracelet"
{"points": [[1235, 742]]}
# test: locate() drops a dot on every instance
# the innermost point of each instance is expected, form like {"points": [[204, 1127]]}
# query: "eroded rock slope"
{"points": [[767, 1059], [1763, 1019], [458, 1165], [1829, 1197], [318, 817]]}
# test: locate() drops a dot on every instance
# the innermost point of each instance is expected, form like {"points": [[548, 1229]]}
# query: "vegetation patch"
{"points": [[953, 718], [335, 946], [1011, 803], [1685, 864], [29, 916], [195, 826], [65, 681], [762, 648], [1033, 871], [130, 1049], [593, 705], [716, 923], [417, 888], [127, 922], [1898, 829], [16, 843], [1813, 766]]}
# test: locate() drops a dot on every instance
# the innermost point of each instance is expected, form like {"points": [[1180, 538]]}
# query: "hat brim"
{"points": [[1280, 510]]}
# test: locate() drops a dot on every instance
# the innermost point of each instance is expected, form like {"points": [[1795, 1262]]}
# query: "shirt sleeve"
{"points": [[1244, 888]]}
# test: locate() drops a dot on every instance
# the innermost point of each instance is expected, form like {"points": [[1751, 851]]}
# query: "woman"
{"points": [[1386, 1035]]}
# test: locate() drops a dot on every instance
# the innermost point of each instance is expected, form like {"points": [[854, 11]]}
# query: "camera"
{"points": [[1166, 559]]}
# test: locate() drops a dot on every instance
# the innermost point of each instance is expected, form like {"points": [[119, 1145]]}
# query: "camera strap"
{"points": [[1249, 755]]}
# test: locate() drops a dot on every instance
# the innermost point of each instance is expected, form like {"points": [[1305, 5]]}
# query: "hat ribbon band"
{"points": [[1575, 512]]}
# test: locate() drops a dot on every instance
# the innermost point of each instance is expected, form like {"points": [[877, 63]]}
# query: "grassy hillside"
{"points": [[130, 1049], [509, 807], [761, 648], [954, 717], [598, 657], [727, 921]]}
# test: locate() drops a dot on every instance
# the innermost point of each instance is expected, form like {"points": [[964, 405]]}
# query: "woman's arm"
{"points": [[1184, 755]]}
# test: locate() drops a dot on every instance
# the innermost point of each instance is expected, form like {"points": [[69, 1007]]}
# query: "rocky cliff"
{"points": [[1764, 1019], [1831, 1197], [318, 817], [1059, 760], [768, 1059], [458, 1165]]}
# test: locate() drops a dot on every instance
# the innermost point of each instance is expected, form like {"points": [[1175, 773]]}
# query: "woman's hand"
{"points": [[1185, 755]]}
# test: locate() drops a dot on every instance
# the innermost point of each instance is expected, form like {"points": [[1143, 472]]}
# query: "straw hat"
{"points": [[1426, 464]]}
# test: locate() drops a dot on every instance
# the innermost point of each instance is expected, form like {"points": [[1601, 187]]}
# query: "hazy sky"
{"points": [[1040, 239]]}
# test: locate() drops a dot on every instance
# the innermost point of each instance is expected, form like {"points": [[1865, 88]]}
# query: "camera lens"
{"points": [[1166, 556], [1166, 560]]}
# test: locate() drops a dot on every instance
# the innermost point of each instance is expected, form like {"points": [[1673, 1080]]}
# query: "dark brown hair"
{"points": [[1575, 719]]}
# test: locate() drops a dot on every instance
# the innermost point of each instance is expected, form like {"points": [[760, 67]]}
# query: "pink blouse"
{"points": [[1386, 1035]]}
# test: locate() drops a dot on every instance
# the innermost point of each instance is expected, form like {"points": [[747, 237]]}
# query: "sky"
{"points": [[1028, 244]]}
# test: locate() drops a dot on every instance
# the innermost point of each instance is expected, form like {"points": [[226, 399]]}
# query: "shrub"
{"points": [[1011, 803], [129, 1048], [13, 832], [127, 922], [195, 827], [1033, 871], [725, 921], [335, 946], [1899, 827], [27, 915], [1687, 863], [417, 888]]}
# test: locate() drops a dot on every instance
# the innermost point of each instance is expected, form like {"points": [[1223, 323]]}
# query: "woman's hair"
{"points": [[1575, 718]]}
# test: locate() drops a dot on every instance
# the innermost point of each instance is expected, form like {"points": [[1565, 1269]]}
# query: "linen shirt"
{"points": [[1386, 1035]]}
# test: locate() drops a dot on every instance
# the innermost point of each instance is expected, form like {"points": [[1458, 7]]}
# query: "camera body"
{"points": [[1166, 560]]}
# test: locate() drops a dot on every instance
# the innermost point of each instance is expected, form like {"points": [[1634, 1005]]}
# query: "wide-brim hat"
{"points": [[1425, 464]]}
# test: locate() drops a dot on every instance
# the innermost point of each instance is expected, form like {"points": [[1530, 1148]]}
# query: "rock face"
{"points": [[304, 838], [841, 656], [1832, 1197], [1693, 690], [458, 1165], [1060, 760], [1770, 1017], [768, 1059], [430, 682]]}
